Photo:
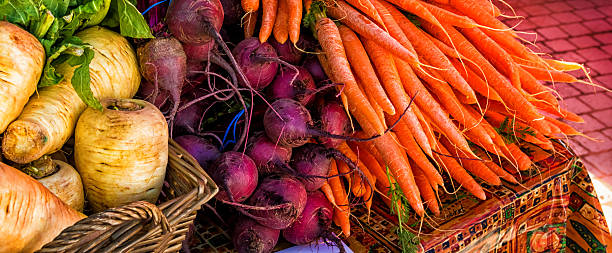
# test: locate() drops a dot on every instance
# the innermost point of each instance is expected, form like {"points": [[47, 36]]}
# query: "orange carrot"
{"points": [[294, 7], [363, 69], [433, 55], [475, 81], [565, 128], [368, 9], [249, 5], [510, 95], [414, 151], [392, 27], [385, 67], [558, 112], [494, 53], [281, 22], [476, 167], [416, 7], [249, 22], [429, 196], [267, 19], [549, 75], [329, 38], [450, 18], [503, 174], [359, 187], [426, 127], [401, 171], [459, 174], [344, 169], [372, 164], [522, 159], [342, 209], [326, 189], [370, 30], [532, 136]]}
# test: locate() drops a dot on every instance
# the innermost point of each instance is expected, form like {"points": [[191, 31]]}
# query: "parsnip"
{"points": [[49, 118], [30, 215], [22, 59], [66, 184], [121, 152]]}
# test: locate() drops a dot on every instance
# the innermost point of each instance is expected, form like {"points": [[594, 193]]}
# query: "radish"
{"points": [[251, 237], [289, 84], [268, 156], [48, 119], [274, 191], [164, 63], [313, 223], [335, 121], [121, 152], [30, 214], [290, 124], [201, 149], [22, 61], [253, 58], [235, 174], [60, 178]]}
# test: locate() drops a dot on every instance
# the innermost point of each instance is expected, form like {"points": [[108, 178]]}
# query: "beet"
{"points": [[251, 237], [289, 123], [188, 119], [311, 160], [164, 64], [287, 52], [198, 52], [301, 89], [195, 21], [313, 223], [157, 97], [311, 63], [268, 156], [235, 174], [335, 121], [274, 191], [254, 60], [201, 149]]}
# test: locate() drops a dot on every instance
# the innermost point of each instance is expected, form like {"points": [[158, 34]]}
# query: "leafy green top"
{"points": [[399, 206], [54, 23], [510, 132]]}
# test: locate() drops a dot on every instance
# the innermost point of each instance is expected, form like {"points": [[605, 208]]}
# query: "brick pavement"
{"points": [[580, 31]]}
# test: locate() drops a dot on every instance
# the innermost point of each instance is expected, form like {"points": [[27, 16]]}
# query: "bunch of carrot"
{"points": [[281, 18], [476, 90]]}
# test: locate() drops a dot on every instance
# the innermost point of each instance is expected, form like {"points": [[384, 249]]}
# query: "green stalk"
{"points": [[42, 26]]}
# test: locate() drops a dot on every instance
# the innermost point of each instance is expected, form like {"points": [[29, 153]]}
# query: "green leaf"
{"points": [[81, 79], [80, 15], [70, 46], [57, 7], [20, 12], [131, 22]]}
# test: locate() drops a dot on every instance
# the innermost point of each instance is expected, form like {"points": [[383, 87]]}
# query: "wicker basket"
{"points": [[142, 226]]}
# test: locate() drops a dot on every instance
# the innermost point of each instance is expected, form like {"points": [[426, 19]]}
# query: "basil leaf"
{"points": [[81, 79]]}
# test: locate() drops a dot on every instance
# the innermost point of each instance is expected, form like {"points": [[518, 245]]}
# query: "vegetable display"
{"points": [[121, 152], [48, 119], [30, 214], [21, 54]]}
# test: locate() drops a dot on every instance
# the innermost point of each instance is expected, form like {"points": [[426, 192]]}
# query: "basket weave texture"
{"points": [[142, 226]]}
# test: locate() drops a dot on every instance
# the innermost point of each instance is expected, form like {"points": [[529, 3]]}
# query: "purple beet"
{"points": [[235, 174], [267, 155], [275, 191], [311, 160], [164, 64], [195, 21], [201, 149], [254, 60], [198, 52], [335, 121], [251, 237], [313, 223], [313, 66], [287, 52], [289, 84], [157, 97]]}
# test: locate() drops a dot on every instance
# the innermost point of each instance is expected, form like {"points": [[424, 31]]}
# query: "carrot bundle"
{"points": [[477, 95]]}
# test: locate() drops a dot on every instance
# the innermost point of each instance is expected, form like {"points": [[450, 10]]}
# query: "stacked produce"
{"points": [[348, 102]]}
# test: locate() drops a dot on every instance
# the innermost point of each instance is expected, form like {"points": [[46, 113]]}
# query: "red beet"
{"points": [[314, 221], [251, 237], [289, 84], [268, 156], [201, 149], [335, 121], [274, 191], [235, 174], [253, 58]]}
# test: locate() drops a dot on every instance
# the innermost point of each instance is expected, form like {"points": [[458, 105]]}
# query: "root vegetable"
{"points": [[21, 61], [48, 119], [164, 64], [60, 178], [201, 149], [275, 191], [267, 155], [30, 214], [236, 175], [314, 221], [312, 160], [289, 84], [251, 237], [253, 58], [335, 121], [121, 152]]}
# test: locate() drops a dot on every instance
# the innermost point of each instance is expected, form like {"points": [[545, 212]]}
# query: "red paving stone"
{"points": [[580, 31]]}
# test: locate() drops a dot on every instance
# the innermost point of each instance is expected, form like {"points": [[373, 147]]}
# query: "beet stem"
{"points": [[256, 208], [219, 61], [192, 102]]}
